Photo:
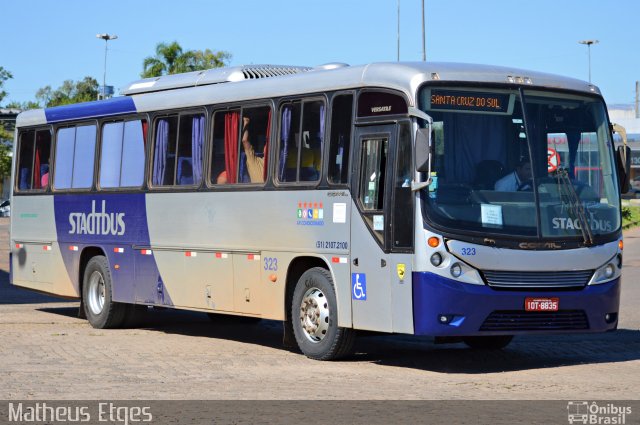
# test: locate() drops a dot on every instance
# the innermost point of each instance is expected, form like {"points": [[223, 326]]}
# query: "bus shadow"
{"points": [[524, 353], [195, 324], [10, 294], [267, 333], [420, 353]]}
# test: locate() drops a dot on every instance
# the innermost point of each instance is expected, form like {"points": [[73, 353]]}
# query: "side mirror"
{"points": [[423, 149], [623, 164]]}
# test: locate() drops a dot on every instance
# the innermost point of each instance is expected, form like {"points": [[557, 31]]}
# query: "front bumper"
{"points": [[467, 308]]}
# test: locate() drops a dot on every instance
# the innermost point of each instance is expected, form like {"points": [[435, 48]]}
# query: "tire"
{"points": [[97, 290], [494, 342], [314, 318]]}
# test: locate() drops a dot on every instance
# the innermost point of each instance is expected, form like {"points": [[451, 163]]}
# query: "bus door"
{"points": [[382, 229]]}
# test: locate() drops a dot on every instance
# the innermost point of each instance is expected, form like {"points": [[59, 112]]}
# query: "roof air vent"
{"points": [[210, 76]]}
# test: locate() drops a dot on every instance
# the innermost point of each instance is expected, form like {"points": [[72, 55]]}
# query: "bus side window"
{"points": [[75, 156], [312, 140], [178, 150], [301, 141], [402, 218], [254, 141], [33, 153], [289, 140], [341, 123], [224, 158], [122, 154], [374, 160]]}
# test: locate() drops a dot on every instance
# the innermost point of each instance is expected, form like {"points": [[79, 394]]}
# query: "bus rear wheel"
{"points": [[314, 317], [493, 342], [97, 296]]}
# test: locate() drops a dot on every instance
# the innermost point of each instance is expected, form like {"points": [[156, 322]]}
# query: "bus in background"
{"points": [[335, 199]]}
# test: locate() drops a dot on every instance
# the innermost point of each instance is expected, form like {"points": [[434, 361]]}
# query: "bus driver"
{"points": [[519, 179]]}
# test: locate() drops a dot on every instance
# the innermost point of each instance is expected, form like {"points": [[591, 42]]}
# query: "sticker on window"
{"points": [[491, 214], [378, 222]]}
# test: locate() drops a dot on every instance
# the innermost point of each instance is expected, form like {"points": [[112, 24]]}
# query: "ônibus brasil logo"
{"points": [[97, 222], [583, 412]]}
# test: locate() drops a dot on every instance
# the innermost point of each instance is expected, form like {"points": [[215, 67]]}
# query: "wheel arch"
{"points": [[85, 256], [296, 268]]}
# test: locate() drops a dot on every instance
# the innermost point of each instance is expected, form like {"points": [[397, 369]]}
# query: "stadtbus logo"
{"points": [[587, 413], [97, 222]]}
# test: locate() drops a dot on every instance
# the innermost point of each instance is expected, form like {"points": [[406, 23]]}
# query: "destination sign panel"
{"points": [[469, 101]]}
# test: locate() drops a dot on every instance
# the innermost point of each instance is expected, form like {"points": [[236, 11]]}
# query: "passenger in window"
{"points": [[44, 180], [255, 164], [310, 159], [519, 179], [222, 178]]}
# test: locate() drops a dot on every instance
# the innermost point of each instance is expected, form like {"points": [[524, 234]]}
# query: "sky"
{"points": [[48, 41]]}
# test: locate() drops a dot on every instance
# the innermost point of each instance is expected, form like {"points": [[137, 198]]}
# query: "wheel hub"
{"points": [[96, 292], [314, 314]]}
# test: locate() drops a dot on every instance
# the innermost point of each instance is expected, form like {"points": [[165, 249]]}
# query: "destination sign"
{"points": [[469, 101]]}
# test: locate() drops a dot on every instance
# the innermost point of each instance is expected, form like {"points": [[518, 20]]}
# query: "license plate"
{"points": [[541, 304]]}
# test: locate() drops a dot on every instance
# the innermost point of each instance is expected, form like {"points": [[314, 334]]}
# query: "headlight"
{"points": [[456, 270], [436, 259], [606, 273]]}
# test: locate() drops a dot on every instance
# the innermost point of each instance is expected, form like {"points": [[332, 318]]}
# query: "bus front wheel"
{"points": [[314, 317], [97, 292], [494, 342]]}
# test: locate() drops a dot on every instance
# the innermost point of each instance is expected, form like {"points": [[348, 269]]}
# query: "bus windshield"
{"points": [[522, 163]]}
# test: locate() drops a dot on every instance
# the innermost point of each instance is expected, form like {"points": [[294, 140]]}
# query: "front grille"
{"points": [[555, 279], [568, 320]]}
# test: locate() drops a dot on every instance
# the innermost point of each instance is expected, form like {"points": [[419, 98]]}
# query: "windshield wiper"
{"points": [[568, 193]]}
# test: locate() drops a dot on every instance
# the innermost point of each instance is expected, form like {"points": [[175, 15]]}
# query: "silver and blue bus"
{"points": [[387, 197]]}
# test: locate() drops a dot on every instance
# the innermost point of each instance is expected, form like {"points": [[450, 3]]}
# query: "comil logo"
{"points": [[97, 222], [587, 413]]}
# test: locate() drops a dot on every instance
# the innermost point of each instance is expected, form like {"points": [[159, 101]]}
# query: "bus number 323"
{"points": [[271, 263]]}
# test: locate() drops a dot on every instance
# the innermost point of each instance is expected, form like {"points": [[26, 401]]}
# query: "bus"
{"points": [[334, 199]]}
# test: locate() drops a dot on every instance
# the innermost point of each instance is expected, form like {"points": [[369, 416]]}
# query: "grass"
{"points": [[630, 217]]}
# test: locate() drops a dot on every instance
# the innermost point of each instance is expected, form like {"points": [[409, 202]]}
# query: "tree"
{"points": [[171, 59], [6, 133], [69, 92], [4, 76], [23, 106]]}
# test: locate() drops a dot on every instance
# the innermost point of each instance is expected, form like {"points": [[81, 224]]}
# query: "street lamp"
{"points": [[589, 43], [424, 38], [106, 38]]}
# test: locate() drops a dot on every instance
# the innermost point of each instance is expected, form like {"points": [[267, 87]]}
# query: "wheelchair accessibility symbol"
{"points": [[359, 286]]}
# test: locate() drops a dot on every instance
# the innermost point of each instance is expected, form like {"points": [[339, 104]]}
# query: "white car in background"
{"points": [[5, 208]]}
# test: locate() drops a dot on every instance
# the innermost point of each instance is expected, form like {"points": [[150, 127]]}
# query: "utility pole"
{"points": [[398, 58], [106, 38], [424, 39], [637, 99], [589, 43]]}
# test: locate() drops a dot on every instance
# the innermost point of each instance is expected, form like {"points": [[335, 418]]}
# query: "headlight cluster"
{"points": [[606, 273], [455, 269]]}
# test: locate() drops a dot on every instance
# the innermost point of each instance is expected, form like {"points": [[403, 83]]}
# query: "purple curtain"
{"points": [[197, 137], [160, 153], [321, 135], [285, 130]]}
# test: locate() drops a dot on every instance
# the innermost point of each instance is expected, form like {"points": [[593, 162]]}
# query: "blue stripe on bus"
{"points": [[111, 222], [113, 106], [470, 305]]}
